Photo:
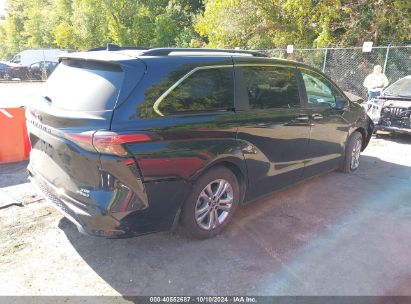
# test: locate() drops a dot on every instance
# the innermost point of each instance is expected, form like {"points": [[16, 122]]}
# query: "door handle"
{"points": [[317, 116], [302, 118]]}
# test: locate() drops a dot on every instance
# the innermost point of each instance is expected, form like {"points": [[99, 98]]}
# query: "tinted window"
{"points": [[16, 59], [320, 92], [271, 87], [204, 90], [84, 86], [35, 65]]}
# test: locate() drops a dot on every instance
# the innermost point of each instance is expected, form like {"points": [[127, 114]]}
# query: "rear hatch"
{"points": [[78, 100]]}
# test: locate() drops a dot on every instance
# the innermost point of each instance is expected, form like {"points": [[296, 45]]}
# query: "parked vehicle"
{"points": [[42, 70], [28, 57], [9, 71], [391, 111], [3, 69], [129, 142]]}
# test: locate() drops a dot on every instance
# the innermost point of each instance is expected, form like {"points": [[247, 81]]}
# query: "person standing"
{"points": [[375, 82]]}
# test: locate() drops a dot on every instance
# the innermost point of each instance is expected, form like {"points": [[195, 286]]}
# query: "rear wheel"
{"points": [[211, 204], [352, 153]]}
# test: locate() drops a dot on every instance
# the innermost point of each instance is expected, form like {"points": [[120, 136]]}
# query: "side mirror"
{"points": [[340, 104]]}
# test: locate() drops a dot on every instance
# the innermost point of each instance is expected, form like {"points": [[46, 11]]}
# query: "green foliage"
{"points": [[173, 27], [306, 23], [253, 24], [4, 53], [90, 28]]}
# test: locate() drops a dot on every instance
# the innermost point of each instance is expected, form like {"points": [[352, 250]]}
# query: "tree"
{"points": [[36, 28], [61, 24], [173, 27], [90, 28], [3, 37], [307, 23], [252, 24], [267, 23]]}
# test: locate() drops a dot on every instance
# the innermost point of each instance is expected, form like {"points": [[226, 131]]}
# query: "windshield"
{"points": [[400, 88], [80, 85]]}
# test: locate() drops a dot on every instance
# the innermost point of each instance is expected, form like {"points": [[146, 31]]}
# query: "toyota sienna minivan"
{"points": [[127, 142]]}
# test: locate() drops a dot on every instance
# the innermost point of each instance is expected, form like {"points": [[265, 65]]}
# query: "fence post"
{"points": [[386, 58], [325, 58]]}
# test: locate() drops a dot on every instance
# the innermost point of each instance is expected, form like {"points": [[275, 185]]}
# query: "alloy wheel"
{"points": [[214, 204], [355, 155]]}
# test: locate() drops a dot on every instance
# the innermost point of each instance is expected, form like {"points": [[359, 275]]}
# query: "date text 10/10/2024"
{"points": [[203, 299]]}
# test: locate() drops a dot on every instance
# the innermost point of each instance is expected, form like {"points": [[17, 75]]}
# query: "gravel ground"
{"points": [[336, 234]]}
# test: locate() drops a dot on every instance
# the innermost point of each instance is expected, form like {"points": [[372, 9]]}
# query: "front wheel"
{"points": [[352, 153], [211, 204]]}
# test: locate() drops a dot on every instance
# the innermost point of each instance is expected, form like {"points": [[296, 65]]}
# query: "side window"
{"points": [[204, 90], [35, 66], [271, 87], [320, 92], [16, 59]]}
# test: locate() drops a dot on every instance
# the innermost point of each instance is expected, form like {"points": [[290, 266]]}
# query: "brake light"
{"points": [[84, 140], [112, 143], [106, 142]]}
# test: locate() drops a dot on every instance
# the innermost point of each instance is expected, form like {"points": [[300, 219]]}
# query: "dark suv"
{"points": [[127, 142]]}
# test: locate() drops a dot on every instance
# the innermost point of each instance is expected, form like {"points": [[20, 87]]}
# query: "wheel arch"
{"points": [[236, 166], [363, 133]]}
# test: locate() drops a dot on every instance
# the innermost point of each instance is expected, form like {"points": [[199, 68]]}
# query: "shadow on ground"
{"points": [[336, 234], [13, 174], [396, 137]]}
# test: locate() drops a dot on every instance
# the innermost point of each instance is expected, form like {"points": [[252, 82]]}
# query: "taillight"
{"points": [[84, 140], [106, 142]]}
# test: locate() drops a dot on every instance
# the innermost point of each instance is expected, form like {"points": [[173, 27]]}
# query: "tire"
{"points": [[352, 153], [198, 218]]}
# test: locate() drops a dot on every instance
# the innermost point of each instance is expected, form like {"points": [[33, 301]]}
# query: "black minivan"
{"points": [[127, 142]]}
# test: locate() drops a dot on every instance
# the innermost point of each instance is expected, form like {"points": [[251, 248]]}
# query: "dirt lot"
{"points": [[336, 234]]}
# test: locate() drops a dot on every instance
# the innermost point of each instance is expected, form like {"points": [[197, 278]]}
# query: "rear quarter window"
{"points": [[204, 89], [80, 85]]}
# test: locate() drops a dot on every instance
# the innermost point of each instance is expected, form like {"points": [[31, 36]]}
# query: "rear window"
{"points": [[84, 85]]}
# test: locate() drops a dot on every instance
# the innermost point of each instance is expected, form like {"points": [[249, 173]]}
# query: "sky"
{"points": [[2, 4]]}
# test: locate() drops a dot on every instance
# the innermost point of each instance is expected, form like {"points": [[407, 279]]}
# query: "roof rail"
{"points": [[167, 51], [115, 47]]}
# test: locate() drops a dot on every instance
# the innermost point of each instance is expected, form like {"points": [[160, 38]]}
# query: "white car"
{"points": [[391, 111]]}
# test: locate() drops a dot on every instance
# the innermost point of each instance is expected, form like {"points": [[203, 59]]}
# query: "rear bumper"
{"points": [[165, 198], [88, 219]]}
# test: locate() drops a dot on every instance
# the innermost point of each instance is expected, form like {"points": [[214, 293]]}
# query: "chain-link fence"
{"points": [[348, 67]]}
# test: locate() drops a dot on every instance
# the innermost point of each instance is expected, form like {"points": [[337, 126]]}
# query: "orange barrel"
{"points": [[14, 141]]}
